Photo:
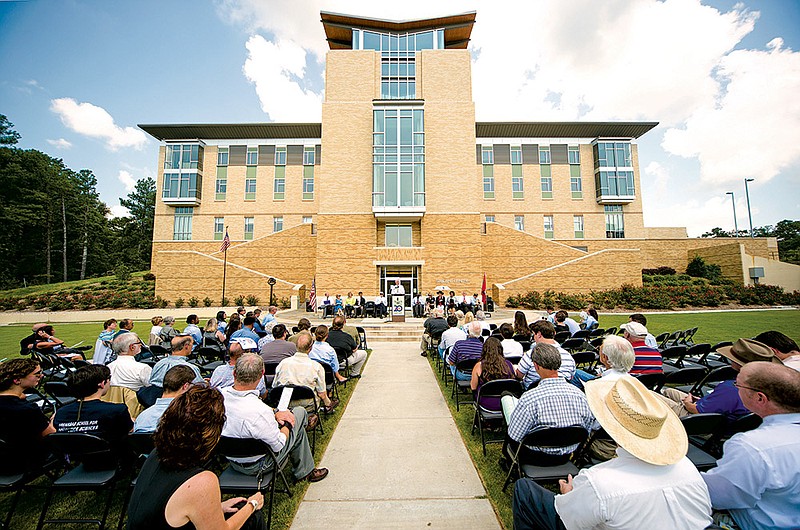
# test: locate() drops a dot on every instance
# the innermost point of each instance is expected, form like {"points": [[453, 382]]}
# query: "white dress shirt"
{"points": [[128, 372], [628, 493], [511, 348], [246, 416]]}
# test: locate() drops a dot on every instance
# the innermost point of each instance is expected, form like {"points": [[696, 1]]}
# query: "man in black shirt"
{"points": [[110, 421], [434, 326], [345, 343], [24, 426]]}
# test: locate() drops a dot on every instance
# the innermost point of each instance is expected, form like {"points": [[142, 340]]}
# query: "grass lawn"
{"points": [[713, 327], [53, 287], [87, 504]]}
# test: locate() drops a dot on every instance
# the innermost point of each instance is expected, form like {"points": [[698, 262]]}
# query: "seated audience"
{"points": [[651, 484], [222, 376], [213, 338], [24, 426], [648, 360], [109, 331], [469, 348], [47, 342], [193, 330], [649, 339], [433, 328], [181, 348], [782, 346], [590, 319], [173, 490], [521, 329], [125, 326], [155, 330], [758, 478], [284, 431], [302, 325], [452, 335], [270, 316], [222, 321], [177, 381], [26, 344], [480, 316], [511, 348], [562, 319], [234, 325], [344, 342], [543, 333], [258, 327], [110, 421], [322, 352], [102, 348], [302, 371], [126, 371], [554, 402], [725, 397], [492, 366], [246, 330], [279, 348], [168, 332]]}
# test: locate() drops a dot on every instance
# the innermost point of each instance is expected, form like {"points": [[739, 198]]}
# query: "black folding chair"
{"points": [[745, 423], [683, 376], [673, 358], [60, 393], [331, 383], [712, 378], [611, 331], [298, 393], [269, 373], [15, 482], [484, 416], [651, 381], [597, 332], [141, 445], [462, 386], [582, 334], [362, 337], [573, 344], [585, 359], [546, 437], [561, 336], [97, 471], [700, 426], [231, 481]]}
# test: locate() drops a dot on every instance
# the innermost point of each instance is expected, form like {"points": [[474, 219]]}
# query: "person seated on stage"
{"points": [[381, 306], [350, 305], [47, 342], [360, 304], [418, 305], [327, 306], [338, 304], [110, 421], [177, 381], [302, 325], [323, 353], [24, 425]]}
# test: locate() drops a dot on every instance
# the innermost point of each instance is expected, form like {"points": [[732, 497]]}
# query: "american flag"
{"points": [[226, 243], [312, 297]]}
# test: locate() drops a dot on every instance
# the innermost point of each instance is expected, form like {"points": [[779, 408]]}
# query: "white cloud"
{"points": [[61, 143], [127, 180], [270, 67], [753, 128], [96, 122], [118, 211], [697, 215]]}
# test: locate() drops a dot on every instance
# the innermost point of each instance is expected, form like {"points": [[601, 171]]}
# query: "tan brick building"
{"points": [[399, 181]]}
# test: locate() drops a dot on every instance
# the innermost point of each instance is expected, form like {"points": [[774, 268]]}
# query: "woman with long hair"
{"points": [[468, 317], [173, 490], [493, 365], [213, 337], [234, 325], [521, 329]]}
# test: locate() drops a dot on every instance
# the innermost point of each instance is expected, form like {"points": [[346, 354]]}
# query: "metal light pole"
{"points": [[747, 194], [733, 202]]}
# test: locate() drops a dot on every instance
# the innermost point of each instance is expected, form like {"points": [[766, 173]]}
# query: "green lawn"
{"points": [[713, 327], [87, 504]]}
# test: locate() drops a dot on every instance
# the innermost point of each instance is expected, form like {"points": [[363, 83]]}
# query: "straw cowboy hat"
{"points": [[638, 420], [745, 351]]}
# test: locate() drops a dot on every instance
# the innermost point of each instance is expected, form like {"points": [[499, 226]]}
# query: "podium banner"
{"points": [[398, 305]]}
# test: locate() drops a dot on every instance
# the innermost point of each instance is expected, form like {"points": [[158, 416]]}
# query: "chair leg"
{"points": [[109, 498], [48, 498], [124, 511], [14, 501]]}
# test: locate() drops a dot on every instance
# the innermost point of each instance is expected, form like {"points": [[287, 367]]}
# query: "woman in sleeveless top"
{"points": [[213, 337], [493, 365], [173, 490]]}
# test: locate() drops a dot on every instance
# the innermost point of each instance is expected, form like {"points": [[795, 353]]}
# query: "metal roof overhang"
{"points": [[233, 131], [339, 28], [562, 129]]}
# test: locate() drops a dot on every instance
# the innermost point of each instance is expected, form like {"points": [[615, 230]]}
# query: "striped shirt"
{"points": [[469, 348], [553, 403], [648, 360]]}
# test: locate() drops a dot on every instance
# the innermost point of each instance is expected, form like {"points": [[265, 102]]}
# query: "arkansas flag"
{"points": [[483, 290]]}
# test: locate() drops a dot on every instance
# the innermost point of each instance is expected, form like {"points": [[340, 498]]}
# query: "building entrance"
{"points": [[408, 279]]}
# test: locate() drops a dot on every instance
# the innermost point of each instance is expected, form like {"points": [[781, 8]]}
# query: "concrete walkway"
{"points": [[396, 459]]}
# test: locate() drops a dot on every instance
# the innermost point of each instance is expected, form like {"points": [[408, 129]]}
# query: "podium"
{"points": [[398, 308]]}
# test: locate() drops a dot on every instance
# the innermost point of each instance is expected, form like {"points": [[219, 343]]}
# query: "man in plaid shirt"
{"points": [[554, 402]]}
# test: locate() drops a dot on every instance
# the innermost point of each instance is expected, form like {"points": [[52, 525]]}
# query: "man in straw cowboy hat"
{"points": [[758, 478], [725, 398], [651, 482]]}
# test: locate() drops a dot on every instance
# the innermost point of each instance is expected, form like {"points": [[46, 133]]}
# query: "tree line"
{"points": [[56, 228]]}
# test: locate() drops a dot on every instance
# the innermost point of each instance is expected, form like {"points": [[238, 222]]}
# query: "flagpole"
{"points": [[224, 269]]}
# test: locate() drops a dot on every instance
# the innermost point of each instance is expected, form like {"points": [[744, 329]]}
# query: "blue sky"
{"points": [[721, 77]]}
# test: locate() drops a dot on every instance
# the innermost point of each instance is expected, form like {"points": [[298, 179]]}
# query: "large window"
{"points": [[183, 165], [613, 165], [219, 228], [249, 226], [182, 227], [398, 158], [398, 58], [577, 223], [547, 177], [519, 222], [279, 184], [575, 183], [487, 158], [308, 173], [250, 174], [548, 227], [221, 185], [252, 156], [517, 184], [399, 236], [615, 223]]}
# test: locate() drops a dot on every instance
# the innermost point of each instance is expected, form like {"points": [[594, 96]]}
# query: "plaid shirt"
{"points": [[553, 403]]}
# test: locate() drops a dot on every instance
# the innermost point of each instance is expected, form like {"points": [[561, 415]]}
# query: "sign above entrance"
{"points": [[451, 281]]}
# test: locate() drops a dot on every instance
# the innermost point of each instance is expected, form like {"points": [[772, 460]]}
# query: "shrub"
{"points": [[251, 300], [512, 302], [571, 302], [659, 271], [283, 303], [179, 302], [160, 302], [122, 272], [225, 302], [149, 277], [207, 302], [193, 302], [239, 300]]}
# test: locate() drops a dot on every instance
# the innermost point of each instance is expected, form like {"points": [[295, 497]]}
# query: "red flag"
{"points": [[226, 243], [312, 297], [483, 290]]}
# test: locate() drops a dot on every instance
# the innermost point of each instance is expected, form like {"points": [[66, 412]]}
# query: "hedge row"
{"points": [[655, 296], [106, 294]]}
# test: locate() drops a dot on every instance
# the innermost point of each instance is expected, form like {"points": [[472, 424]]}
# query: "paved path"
{"points": [[396, 459]]}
